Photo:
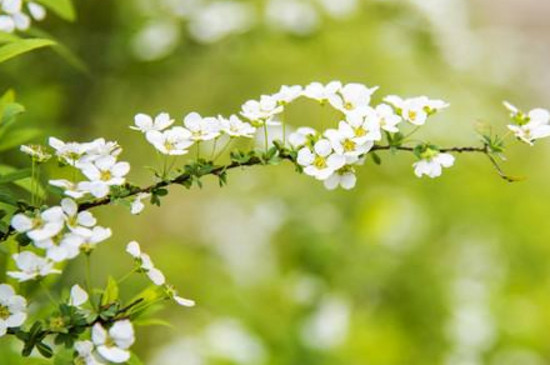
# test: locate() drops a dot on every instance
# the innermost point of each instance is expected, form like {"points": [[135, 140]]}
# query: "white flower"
{"points": [[85, 349], [432, 163], [235, 127], [7, 24], [103, 173], [529, 126], [37, 152], [388, 120], [261, 111], [344, 177], [416, 110], [44, 226], [134, 249], [78, 296], [364, 126], [146, 264], [288, 94], [178, 299], [71, 189], [345, 142], [113, 344], [69, 152], [322, 161], [144, 123], [65, 248], [202, 129], [13, 309], [352, 98], [322, 93], [300, 137], [31, 266], [99, 234], [99, 148], [78, 222], [174, 141], [137, 205], [38, 12]]}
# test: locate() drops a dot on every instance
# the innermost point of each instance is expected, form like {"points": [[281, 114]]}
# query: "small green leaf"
{"points": [[110, 295], [44, 350], [17, 48], [63, 8], [377, 160]]}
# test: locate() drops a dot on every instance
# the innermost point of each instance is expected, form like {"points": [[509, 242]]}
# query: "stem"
{"points": [[266, 138], [89, 279], [198, 150], [283, 121], [214, 149], [126, 276]]}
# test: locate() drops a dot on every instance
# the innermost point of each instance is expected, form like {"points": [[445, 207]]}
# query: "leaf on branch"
{"points": [[14, 49], [110, 294], [14, 176]]}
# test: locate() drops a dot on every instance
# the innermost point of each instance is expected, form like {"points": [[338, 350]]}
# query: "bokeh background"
{"points": [[398, 271]]}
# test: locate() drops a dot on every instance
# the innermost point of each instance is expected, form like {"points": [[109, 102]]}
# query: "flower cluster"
{"points": [[177, 140], [96, 160], [62, 232], [530, 126], [13, 17]]}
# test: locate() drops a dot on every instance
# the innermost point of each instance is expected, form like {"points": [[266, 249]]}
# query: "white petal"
{"points": [[37, 11], [184, 302], [21, 223], [69, 207], [133, 249], [348, 181], [78, 296], [99, 335], [156, 276], [120, 169], [323, 147], [305, 157], [16, 320], [143, 122], [6, 292], [445, 159], [114, 354]]}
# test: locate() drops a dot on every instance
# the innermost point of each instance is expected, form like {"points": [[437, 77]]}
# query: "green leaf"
{"points": [[152, 322], [15, 176], [63, 8], [22, 46], [44, 350], [17, 137], [110, 295], [8, 37], [134, 360], [377, 160]]}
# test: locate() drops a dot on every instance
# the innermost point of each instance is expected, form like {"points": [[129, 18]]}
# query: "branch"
{"points": [[283, 153]]}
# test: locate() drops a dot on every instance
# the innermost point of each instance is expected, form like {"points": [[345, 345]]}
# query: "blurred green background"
{"points": [[397, 271]]}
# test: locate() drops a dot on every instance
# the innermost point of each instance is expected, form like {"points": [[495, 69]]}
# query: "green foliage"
{"points": [[22, 46]]}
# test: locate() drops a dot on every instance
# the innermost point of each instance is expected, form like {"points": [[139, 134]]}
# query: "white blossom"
{"points": [[103, 173], [288, 94], [202, 129], [145, 123], [320, 162], [261, 111], [145, 263], [15, 19], [174, 141], [113, 344], [69, 152], [44, 226], [64, 248], [70, 188], [322, 93], [78, 296], [235, 127], [345, 142], [416, 110], [85, 351], [432, 164], [530, 126], [137, 205], [99, 234], [352, 98], [78, 222], [31, 266], [345, 177], [36, 152], [388, 120], [13, 309], [300, 137], [362, 127]]}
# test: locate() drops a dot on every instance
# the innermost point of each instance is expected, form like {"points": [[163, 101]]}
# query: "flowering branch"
{"points": [[47, 236]]}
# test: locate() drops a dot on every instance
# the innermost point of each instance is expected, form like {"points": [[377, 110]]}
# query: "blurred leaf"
{"points": [[63, 357], [152, 322], [22, 46], [6, 197], [25, 183], [14, 176], [63, 51], [63, 8], [15, 138], [134, 360], [8, 37]]}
